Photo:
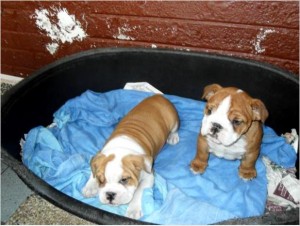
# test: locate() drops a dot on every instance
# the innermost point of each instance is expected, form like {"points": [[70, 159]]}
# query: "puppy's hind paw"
{"points": [[173, 138]]}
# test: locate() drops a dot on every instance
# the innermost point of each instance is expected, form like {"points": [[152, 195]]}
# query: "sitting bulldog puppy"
{"points": [[123, 168], [231, 129]]}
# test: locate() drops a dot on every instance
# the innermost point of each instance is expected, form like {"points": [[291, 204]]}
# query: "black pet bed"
{"points": [[179, 73]]}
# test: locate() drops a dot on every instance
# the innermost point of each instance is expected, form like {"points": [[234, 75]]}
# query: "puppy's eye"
{"points": [[124, 180], [236, 122], [208, 111]]}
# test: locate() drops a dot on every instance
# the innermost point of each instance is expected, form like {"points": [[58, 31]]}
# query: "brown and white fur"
{"points": [[231, 129], [123, 168]]}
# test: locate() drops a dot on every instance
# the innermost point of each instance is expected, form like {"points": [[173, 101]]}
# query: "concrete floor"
{"points": [[36, 210], [13, 192]]}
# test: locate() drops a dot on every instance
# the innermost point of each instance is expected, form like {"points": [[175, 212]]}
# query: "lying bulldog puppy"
{"points": [[123, 168], [231, 129]]}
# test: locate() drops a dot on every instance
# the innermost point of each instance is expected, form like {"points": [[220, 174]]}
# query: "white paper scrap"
{"points": [[141, 86]]}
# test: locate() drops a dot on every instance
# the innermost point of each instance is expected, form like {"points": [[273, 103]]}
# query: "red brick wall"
{"points": [[263, 31]]}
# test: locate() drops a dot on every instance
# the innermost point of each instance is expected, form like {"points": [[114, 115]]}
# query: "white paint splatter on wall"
{"points": [[261, 36], [59, 25], [121, 35], [52, 47]]}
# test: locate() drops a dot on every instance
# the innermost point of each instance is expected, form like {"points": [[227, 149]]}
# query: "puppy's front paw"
{"points": [[247, 174], [134, 212], [198, 167], [89, 191]]}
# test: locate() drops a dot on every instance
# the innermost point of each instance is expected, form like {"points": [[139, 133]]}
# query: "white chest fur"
{"points": [[234, 151]]}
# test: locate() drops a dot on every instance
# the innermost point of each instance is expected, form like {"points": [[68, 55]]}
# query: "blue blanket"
{"points": [[60, 155]]}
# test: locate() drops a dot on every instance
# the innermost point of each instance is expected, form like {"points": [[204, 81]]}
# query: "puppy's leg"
{"points": [[173, 136], [91, 187], [247, 169], [199, 164], [134, 209]]}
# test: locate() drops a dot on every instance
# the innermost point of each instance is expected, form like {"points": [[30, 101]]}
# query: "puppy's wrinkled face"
{"points": [[229, 114], [118, 177]]}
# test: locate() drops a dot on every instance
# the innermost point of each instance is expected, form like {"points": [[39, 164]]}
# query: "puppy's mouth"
{"points": [[114, 203], [111, 203], [214, 138]]}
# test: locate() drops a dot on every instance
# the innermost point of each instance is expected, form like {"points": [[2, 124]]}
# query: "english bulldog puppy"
{"points": [[231, 129], [123, 168]]}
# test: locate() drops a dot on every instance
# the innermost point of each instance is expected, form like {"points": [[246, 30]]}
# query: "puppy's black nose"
{"points": [[216, 127], [110, 196]]}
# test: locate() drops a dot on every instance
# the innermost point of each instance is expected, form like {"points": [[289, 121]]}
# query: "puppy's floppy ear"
{"points": [[210, 90], [98, 163], [93, 164], [260, 112]]}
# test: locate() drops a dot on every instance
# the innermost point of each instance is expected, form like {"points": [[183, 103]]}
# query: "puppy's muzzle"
{"points": [[216, 128]]}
